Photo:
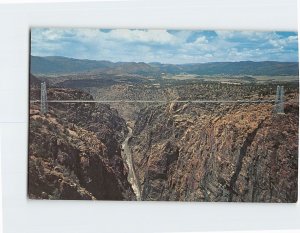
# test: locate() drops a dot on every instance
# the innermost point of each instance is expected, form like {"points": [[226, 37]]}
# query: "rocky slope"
{"points": [[217, 152], [74, 150]]}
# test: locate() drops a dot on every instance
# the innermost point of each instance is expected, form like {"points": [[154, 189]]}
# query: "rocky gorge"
{"points": [[74, 149], [217, 152], [173, 151]]}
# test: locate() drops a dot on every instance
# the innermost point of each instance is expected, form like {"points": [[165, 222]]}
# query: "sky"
{"points": [[164, 46]]}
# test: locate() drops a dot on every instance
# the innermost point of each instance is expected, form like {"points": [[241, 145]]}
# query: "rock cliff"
{"points": [[217, 152], [74, 150]]}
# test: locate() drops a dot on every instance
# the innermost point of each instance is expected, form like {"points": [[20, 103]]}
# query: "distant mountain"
{"points": [[63, 65], [232, 68], [243, 68]]}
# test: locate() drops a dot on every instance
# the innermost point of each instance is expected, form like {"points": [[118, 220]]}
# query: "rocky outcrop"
{"points": [[216, 152], [74, 150]]}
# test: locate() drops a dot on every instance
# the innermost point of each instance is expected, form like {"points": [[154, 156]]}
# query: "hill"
{"points": [[63, 65]]}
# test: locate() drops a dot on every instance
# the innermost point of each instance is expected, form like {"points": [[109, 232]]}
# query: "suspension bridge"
{"points": [[278, 102]]}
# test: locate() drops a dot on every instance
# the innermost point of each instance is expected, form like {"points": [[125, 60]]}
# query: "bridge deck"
{"points": [[155, 101]]}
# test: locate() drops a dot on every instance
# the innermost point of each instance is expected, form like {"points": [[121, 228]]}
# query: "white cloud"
{"points": [[147, 36], [282, 42], [163, 46], [201, 40]]}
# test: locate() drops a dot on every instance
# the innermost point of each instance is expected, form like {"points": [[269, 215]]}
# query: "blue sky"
{"points": [[165, 46]]}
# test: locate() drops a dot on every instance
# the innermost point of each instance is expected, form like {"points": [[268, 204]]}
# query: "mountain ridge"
{"points": [[63, 65]]}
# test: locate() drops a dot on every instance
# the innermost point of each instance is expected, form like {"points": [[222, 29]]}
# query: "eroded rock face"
{"points": [[215, 152], [74, 150]]}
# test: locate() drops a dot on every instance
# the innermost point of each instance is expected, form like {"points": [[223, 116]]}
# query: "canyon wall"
{"points": [[217, 152], [74, 149]]}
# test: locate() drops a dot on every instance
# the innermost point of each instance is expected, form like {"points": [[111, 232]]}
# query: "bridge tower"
{"points": [[279, 100], [44, 104]]}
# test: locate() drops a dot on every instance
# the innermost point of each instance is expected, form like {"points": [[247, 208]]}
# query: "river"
{"points": [[127, 156]]}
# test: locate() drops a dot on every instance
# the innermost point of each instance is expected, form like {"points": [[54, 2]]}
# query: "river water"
{"points": [[127, 156]]}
